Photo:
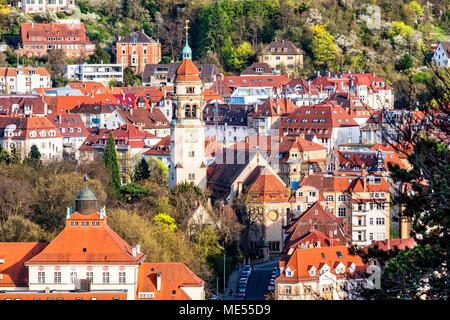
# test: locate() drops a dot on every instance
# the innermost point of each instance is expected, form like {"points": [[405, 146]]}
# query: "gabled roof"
{"points": [[258, 68], [228, 165], [283, 47], [40, 32], [274, 107], [264, 185], [147, 118], [67, 122], [174, 276], [24, 127], [302, 260], [137, 37], [372, 160], [162, 148], [36, 103], [319, 119]]}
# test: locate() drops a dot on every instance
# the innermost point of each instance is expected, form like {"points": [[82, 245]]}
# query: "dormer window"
{"points": [[352, 267], [289, 272]]}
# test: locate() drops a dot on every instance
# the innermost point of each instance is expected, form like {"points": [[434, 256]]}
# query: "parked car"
{"points": [[247, 267], [241, 294], [245, 275], [242, 285], [243, 280]]}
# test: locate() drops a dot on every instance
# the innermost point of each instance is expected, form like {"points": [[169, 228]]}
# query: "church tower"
{"points": [[187, 129]]}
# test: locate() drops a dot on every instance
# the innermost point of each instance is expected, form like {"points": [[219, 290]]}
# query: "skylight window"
{"points": [[339, 254]]}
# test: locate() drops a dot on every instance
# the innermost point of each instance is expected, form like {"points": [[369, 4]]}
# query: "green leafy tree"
{"points": [[133, 192], [237, 59], [4, 155], [323, 47], [142, 171], [165, 221], [130, 79], [100, 55], [110, 161], [405, 63], [20, 229], [34, 157], [14, 155], [159, 172]]}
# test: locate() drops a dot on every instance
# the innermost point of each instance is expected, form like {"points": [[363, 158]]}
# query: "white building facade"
{"points": [[103, 73]]}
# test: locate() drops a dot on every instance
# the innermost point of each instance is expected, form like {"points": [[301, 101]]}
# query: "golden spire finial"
{"points": [[186, 27]]}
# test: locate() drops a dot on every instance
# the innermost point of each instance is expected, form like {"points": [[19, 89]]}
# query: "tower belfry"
{"points": [[187, 129]]}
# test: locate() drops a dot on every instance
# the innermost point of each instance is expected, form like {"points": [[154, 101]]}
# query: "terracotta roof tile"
{"points": [[174, 276], [14, 255]]}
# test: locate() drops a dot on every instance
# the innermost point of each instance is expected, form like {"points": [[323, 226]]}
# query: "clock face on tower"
{"points": [[191, 136]]}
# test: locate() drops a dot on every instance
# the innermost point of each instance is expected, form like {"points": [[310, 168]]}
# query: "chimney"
{"points": [[138, 249], [278, 109], [364, 179], [134, 252], [318, 244], [330, 235], [311, 229], [47, 290], [158, 281]]}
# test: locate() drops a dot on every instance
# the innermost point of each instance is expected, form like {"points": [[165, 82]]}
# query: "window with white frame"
{"points": [[57, 276], [90, 276], [122, 277], [287, 290], [41, 277], [341, 197], [105, 277], [329, 198], [73, 277], [342, 211]]}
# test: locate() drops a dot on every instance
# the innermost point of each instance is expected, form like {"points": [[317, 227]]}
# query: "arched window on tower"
{"points": [[194, 111], [187, 111]]}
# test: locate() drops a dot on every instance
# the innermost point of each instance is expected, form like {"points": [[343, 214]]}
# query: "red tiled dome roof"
{"points": [[187, 71]]}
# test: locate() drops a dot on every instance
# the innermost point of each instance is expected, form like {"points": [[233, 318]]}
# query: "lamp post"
{"points": [[224, 287]]}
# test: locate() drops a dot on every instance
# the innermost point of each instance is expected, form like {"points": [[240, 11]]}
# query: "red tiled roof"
{"points": [[273, 81], [267, 187], [87, 245], [147, 118], [26, 125], [66, 295], [36, 103], [69, 121], [174, 276], [319, 119], [15, 254], [386, 245], [58, 30], [161, 148], [274, 107], [302, 260], [187, 71], [11, 72]]}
